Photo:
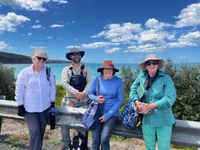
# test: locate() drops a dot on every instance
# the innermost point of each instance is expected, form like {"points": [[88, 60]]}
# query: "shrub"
{"points": [[7, 81], [60, 93]]}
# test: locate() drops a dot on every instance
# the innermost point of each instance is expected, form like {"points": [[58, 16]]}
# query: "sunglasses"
{"points": [[76, 54], [151, 63], [41, 58]]}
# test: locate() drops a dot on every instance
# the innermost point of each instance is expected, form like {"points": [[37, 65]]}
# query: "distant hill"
{"points": [[10, 58]]}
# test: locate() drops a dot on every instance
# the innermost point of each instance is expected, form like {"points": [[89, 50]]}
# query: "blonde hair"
{"points": [[39, 51]]}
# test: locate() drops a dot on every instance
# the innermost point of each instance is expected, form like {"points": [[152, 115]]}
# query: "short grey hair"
{"points": [[39, 51]]}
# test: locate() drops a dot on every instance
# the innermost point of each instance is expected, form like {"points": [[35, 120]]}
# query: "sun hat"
{"points": [[74, 50], [152, 57], [108, 64]]}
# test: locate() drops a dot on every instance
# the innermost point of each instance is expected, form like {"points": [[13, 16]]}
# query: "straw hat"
{"points": [[152, 57], [74, 50], [108, 64]]}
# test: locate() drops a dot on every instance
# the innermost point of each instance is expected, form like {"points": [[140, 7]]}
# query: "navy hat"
{"points": [[74, 50]]}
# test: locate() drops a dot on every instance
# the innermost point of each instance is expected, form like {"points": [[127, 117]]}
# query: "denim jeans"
{"points": [[101, 135]]}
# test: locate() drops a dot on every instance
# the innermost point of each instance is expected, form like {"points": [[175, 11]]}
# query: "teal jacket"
{"points": [[162, 91]]}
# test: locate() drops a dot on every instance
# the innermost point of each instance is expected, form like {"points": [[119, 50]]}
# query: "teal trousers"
{"points": [[161, 135]]}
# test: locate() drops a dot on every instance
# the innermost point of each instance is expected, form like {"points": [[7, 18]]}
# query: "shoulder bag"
{"points": [[90, 118]]}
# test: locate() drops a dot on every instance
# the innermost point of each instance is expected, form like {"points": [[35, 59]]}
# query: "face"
{"points": [[39, 59], [107, 73], [151, 66], [76, 57]]}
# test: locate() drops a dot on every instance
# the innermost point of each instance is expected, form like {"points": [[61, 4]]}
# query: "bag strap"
{"points": [[48, 70], [97, 85], [82, 67]]}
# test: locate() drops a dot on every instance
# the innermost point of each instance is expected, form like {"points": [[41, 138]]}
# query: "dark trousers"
{"points": [[36, 123]]}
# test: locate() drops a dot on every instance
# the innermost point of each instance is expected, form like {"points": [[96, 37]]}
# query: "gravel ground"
{"points": [[14, 136]]}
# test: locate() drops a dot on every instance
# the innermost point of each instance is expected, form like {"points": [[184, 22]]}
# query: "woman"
{"points": [[159, 94], [111, 94], [34, 94]]}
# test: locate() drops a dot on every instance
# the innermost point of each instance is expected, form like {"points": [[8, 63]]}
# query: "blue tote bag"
{"points": [[90, 118]]}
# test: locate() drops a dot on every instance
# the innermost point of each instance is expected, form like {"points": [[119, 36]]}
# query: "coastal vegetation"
{"points": [[186, 79], [7, 82]]}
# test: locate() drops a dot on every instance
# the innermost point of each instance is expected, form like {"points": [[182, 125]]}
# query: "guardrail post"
{"points": [[1, 118]]}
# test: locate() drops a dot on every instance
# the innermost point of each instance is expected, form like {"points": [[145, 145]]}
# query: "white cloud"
{"points": [[113, 50], [37, 47], [152, 36], [153, 23], [33, 5], [190, 39], [3, 45], [60, 1], [98, 45], [72, 46], [29, 34], [56, 26], [190, 16], [11, 21], [50, 37], [120, 33], [36, 26], [145, 48]]}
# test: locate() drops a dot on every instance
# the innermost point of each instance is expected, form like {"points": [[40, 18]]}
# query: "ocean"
{"points": [[57, 68]]}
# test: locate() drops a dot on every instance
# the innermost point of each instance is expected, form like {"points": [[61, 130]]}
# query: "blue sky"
{"points": [[124, 31]]}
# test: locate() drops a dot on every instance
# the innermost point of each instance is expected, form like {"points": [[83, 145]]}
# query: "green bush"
{"points": [[60, 93], [7, 81]]}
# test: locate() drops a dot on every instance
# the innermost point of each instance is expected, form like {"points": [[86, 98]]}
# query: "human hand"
{"points": [[21, 111], [80, 95], [102, 119], [146, 109], [100, 99]]}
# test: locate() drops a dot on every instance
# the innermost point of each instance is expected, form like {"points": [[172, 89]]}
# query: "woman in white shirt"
{"points": [[35, 94]]}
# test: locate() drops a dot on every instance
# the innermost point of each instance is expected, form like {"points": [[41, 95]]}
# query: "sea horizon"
{"points": [[57, 68]]}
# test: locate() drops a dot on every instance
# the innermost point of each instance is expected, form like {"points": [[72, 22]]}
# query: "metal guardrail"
{"points": [[185, 133]]}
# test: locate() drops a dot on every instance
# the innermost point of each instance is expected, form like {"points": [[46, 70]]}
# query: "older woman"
{"points": [[111, 94], [34, 94], [159, 94]]}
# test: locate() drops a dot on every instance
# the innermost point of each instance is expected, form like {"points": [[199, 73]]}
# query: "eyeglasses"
{"points": [[151, 63], [76, 54], [41, 58]]}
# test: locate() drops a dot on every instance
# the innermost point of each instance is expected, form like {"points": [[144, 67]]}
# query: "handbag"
{"points": [[129, 117], [90, 118]]}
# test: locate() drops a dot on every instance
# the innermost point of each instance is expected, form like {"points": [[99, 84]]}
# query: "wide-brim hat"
{"points": [[152, 57], [74, 50], [107, 64]]}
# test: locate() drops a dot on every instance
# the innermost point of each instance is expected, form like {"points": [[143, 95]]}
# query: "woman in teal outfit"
{"points": [[155, 103]]}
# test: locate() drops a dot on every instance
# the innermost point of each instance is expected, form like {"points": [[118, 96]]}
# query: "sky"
{"points": [[124, 31]]}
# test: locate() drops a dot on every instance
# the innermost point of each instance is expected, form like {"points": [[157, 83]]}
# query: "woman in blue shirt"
{"points": [[111, 95], [34, 95], [159, 94]]}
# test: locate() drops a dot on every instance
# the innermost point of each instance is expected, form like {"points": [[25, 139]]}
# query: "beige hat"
{"points": [[74, 50], [152, 57], [108, 64]]}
